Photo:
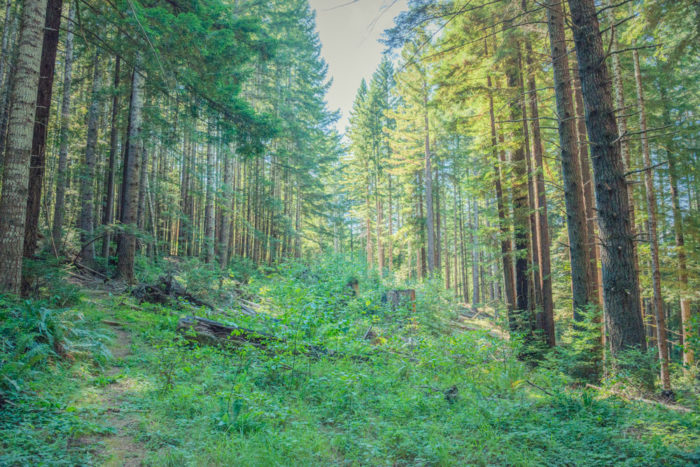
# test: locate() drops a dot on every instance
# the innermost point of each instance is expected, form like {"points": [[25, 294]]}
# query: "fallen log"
{"points": [[165, 291], [209, 332]]}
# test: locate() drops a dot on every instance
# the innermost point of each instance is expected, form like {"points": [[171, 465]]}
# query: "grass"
{"points": [[165, 401]]}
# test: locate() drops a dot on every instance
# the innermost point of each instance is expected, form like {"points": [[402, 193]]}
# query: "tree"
{"points": [[620, 289], [126, 248], [659, 315], [61, 175], [13, 201], [87, 220], [37, 166], [573, 193]]}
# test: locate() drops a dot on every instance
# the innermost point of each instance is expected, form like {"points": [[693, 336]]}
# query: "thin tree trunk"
{"points": [[108, 210], [87, 177], [390, 246], [226, 212], [620, 280], [209, 215], [438, 222], [499, 160], [428, 190], [476, 297], [687, 331], [380, 222], [654, 238], [535, 289], [13, 203], [61, 171], [545, 263], [368, 220], [126, 248]]}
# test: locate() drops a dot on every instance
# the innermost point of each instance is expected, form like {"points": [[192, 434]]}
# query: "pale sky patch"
{"points": [[349, 32]]}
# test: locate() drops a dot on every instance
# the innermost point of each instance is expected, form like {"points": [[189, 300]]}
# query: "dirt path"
{"points": [[119, 448]]}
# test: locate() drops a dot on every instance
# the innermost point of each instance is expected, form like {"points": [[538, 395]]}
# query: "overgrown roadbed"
{"points": [[425, 392]]}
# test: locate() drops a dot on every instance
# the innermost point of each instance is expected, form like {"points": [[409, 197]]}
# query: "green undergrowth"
{"points": [[383, 386]]}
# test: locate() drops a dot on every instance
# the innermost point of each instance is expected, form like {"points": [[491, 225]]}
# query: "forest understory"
{"points": [[440, 385]]}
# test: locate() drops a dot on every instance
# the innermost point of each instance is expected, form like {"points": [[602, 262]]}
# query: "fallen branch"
{"points": [[537, 387], [678, 408]]}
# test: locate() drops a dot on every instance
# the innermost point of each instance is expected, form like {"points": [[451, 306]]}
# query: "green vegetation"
{"points": [[418, 389]]}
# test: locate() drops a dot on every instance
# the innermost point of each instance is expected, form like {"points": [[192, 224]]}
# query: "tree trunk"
{"points": [[380, 222], [126, 247], [61, 171], [625, 152], [5, 51], [519, 320], [535, 289], [661, 337], [687, 331], [87, 177], [37, 165], [545, 263], [108, 209], [573, 193], [620, 280], [428, 190], [13, 203], [9, 54], [476, 297], [592, 254], [499, 160], [390, 246], [209, 214], [226, 212]]}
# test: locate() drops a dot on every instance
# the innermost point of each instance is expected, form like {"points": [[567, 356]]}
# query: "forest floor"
{"points": [[436, 387]]}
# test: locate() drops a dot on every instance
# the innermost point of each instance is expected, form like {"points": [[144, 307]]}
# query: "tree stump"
{"points": [[401, 297]]}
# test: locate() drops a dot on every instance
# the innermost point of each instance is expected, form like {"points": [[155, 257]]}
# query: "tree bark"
{"points": [[126, 247], [62, 169], [13, 203], [37, 165], [9, 54], [620, 280], [659, 313]]}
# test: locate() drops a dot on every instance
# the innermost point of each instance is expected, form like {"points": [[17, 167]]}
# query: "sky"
{"points": [[349, 32]]}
